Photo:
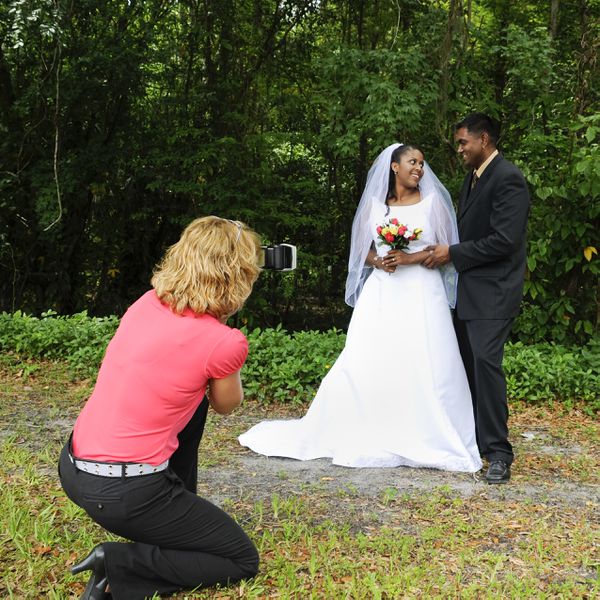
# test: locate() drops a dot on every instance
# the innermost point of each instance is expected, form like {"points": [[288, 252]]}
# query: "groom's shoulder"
{"points": [[505, 167]]}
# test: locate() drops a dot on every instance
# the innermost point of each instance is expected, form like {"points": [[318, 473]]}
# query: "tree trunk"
{"points": [[6, 88], [554, 8], [503, 19], [587, 59], [454, 12]]}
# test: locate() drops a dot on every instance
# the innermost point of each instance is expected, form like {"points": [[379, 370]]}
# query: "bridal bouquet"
{"points": [[395, 235]]}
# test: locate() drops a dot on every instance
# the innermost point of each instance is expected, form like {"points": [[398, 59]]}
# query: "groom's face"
{"points": [[471, 147]]}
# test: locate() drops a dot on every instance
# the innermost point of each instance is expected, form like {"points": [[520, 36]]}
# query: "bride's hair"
{"points": [[396, 154]]}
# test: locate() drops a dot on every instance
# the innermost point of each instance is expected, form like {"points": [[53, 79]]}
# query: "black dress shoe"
{"points": [[498, 472], [98, 582]]}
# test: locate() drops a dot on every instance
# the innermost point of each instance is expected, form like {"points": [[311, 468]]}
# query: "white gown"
{"points": [[398, 392]]}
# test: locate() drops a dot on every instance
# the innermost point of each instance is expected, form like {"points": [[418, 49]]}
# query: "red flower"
{"points": [[394, 221], [402, 230], [379, 229], [389, 237]]}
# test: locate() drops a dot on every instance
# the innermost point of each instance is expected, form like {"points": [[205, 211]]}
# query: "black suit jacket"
{"points": [[491, 255]]}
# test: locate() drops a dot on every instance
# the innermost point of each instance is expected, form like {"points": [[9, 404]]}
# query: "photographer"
{"points": [[131, 460]]}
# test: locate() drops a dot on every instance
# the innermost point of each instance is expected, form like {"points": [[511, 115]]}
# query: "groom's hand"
{"points": [[438, 255]]}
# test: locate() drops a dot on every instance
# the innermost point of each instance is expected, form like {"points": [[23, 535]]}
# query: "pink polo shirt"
{"points": [[152, 379]]}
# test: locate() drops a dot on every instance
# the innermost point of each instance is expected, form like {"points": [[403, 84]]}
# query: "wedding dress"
{"points": [[398, 393]]}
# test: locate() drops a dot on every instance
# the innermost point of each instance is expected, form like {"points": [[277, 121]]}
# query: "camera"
{"points": [[280, 257]]}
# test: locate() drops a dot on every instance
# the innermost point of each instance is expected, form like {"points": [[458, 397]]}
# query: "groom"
{"points": [[490, 259]]}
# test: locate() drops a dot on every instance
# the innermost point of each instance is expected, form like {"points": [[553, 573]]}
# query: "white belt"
{"points": [[117, 469]]}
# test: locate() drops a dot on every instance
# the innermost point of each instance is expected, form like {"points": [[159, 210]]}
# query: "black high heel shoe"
{"points": [[98, 582]]}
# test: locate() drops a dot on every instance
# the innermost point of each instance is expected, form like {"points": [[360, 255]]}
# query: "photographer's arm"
{"points": [[226, 394]]}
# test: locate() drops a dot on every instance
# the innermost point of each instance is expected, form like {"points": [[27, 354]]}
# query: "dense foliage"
{"points": [[122, 120], [288, 367]]}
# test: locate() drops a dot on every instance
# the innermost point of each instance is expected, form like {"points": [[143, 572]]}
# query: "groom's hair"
{"points": [[478, 123]]}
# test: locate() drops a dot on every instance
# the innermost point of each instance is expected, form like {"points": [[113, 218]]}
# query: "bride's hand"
{"points": [[395, 258], [379, 263]]}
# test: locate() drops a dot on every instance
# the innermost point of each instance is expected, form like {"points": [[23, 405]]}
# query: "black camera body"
{"points": [[280, 257]]}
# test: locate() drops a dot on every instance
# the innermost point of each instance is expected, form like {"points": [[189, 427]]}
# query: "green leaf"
{"points": [[590, 134]]}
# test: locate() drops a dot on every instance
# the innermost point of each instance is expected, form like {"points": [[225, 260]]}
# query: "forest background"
{"points": [[122, 120]]}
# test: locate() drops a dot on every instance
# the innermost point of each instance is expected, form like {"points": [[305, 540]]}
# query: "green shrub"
{"points": [[79, 339], [540, 372], [288, 367]]}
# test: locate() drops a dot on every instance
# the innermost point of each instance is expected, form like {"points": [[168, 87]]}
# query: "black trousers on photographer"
{"points": [[180, 541]]}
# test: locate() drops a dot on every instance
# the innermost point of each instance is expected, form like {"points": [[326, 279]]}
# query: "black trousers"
{"points": [[481, 344], [184, 461], [180, 541]]}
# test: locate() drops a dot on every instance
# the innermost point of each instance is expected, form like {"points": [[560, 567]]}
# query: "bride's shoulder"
{"points": [[428, 196], [378, 209]]}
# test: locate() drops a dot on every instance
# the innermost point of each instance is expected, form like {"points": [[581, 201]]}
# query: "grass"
{"points": [[318, 543]]}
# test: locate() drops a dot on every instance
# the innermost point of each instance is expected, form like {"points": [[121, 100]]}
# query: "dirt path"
{"points": [[256, 477], [552, 468], [253, 477]]}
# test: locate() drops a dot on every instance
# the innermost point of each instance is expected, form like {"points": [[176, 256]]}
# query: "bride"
{"points": [[398, 393]]}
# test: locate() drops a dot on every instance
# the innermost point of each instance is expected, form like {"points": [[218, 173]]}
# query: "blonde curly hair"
{"points": [[211, 269]]}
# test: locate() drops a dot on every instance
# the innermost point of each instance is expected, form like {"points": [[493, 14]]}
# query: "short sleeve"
{"points": [[228, 356]]}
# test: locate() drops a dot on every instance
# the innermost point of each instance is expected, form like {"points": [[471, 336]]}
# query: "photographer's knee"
{"points": [[250, 563]]}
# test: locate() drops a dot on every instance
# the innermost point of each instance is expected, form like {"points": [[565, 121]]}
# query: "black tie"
{"points": [[474, 181]]}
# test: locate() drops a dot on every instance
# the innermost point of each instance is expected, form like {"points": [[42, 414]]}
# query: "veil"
{"points": [[442, 217]]}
